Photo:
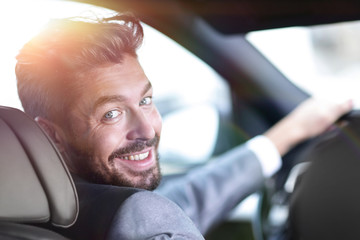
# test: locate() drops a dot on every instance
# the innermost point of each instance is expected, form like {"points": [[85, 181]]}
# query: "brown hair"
{"points": [[49, 63]]}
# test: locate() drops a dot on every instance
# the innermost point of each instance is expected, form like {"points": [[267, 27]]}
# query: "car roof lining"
{"points": [[240, 16]]}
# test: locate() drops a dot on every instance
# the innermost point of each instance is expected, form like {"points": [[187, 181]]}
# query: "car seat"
{"points": [[35, 185]]}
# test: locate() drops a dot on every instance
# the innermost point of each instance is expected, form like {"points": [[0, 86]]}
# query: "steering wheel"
{"points": [[325, 200], [316, 190]]}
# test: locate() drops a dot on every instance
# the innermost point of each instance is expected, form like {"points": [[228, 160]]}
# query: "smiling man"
{"points": [[83, 84], [112, 124], [99, 109]]}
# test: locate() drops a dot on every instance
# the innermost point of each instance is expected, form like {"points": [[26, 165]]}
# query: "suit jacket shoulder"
{"points": [[147, 215]]}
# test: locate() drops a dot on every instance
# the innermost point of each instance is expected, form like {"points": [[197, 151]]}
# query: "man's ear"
{"points": [[52, 131]]}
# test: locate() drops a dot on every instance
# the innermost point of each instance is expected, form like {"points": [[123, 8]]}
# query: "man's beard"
{"points": [[99, 172]]}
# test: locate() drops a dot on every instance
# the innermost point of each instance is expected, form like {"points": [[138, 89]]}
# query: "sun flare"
{"points": [[19, 21]]}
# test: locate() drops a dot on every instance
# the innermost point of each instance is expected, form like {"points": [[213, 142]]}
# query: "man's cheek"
{"points": [[108, 143]]}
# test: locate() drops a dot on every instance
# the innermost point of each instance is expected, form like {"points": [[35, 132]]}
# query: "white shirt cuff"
{"points": [[267, 154]]}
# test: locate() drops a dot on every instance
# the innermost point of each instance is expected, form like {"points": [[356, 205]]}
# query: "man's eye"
{"points": [[111, 114], [146, 101]]}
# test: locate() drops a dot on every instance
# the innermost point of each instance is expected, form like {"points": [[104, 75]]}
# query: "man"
{"points": [[83, 84]]}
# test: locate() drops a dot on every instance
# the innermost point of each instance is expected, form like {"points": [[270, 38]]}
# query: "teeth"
{"points": [[143, 155], [138, 157]]}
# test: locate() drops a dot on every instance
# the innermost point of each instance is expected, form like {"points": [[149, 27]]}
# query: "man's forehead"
{"points": [[128, 71], [113, 82]]}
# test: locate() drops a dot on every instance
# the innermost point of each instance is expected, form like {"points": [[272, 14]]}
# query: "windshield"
{"points": [[322, 60]]}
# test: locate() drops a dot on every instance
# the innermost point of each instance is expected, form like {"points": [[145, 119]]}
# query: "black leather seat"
{"points": [[35, 185]]}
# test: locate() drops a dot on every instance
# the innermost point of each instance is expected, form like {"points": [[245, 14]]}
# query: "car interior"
{"points": [[313, 196]]}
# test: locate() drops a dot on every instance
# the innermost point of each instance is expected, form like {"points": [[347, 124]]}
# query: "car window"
{"points": [[191, 97], [322, 60]]}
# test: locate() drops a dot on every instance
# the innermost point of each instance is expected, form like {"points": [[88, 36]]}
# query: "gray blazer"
{"points": [[207, 194], [146, 215]]}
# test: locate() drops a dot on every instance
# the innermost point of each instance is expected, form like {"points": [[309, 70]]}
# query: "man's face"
{"points": [[113, 128]]}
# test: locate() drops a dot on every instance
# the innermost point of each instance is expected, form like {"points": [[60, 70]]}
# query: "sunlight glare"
{"points": [[19, 21]]}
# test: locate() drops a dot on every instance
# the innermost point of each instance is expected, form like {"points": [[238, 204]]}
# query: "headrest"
{"points": [[35, 184]]}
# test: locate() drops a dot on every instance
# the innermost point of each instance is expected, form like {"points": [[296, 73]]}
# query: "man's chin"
{"points": [[149, 183], [148, 180]]}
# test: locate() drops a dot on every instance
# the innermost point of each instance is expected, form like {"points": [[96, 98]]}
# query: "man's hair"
{"points": [[48, 64]]}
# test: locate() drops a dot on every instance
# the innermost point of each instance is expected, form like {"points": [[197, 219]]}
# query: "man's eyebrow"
{"points": [[108, 99], [147, 87], [117, 98]]}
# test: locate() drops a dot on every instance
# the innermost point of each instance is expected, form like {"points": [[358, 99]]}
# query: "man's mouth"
{"points": [[137, 151], [135, 157], [136, 161]]}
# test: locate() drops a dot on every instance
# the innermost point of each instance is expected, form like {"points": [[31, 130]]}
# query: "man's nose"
{"points": [[140, 127]]}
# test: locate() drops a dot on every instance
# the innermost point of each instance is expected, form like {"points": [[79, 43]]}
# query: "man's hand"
{"points": [[309, 119]]}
